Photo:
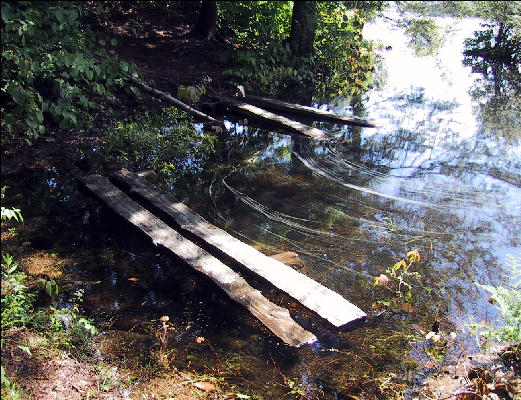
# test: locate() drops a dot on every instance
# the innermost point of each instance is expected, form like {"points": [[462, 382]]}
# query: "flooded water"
{"points": [[431, 177]]}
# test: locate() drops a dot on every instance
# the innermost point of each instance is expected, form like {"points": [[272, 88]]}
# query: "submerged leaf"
{"points": [[206, 386]]}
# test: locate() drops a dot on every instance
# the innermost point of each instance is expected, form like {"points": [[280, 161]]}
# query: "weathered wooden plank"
{"points": [[276, 318], [286, 123], [325, 302], [307, 111]]}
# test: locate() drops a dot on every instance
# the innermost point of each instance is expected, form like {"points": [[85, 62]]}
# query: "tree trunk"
{"points": [[304, 22], [206, 26]]}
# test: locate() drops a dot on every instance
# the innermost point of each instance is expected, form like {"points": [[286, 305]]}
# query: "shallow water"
{"points": [[430, 178]]}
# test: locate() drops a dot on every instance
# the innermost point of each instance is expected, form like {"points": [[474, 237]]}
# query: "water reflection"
{"points": [[495, 53]]}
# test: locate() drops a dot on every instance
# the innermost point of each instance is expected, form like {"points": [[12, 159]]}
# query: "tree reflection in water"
{"points": [[495, 53]]}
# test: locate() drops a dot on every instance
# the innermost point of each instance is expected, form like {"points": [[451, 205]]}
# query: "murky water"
{"points": [[431, 177]]}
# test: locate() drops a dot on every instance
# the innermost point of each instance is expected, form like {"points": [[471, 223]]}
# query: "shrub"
{"points": [[54, 69]]}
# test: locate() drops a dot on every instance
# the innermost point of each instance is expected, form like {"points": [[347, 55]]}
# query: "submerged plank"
{"points": [[286, 123], [308, 111], [325, 302], [275, 318]]}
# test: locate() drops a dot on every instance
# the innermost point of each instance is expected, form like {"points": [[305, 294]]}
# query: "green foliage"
{"points": [[341, 65], [166, 142], [54, 69], [9, 389], [10, 213], [344, 59], [271, 70], [256, 23], [507, 300], [17, 304]]}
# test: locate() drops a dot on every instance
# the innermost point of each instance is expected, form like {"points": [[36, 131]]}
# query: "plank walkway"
{"points": [[276, 318], [326, 303], [306, 111], [267, 116]]}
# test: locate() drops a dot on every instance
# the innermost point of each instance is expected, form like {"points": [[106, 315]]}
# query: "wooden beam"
{"points": [[325, 302], [176, 102], [276, 319], [308, 111], [259, 113]]}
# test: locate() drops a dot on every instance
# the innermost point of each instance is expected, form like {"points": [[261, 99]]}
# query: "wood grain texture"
{"points": [[286, 123], [311, 112], [275, 318], [325, 302]]}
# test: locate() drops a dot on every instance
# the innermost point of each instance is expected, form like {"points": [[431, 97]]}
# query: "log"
{"points": [[306, 111], [264, 115], [275, 318], [326, 303], [176, 102]]}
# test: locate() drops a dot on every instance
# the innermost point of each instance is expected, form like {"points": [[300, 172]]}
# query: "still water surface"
{"points": [[430, 177]]}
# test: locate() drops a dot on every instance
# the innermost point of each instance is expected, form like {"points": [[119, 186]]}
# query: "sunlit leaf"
{"points": [[413, 255]]}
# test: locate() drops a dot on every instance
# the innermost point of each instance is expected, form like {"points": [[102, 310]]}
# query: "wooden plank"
{"points": [[308, 111], [276, 319], [325, 302], [286, 123]]}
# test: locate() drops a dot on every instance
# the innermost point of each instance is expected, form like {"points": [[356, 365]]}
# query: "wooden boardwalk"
{"points": [[326, 303], [276, 318]]}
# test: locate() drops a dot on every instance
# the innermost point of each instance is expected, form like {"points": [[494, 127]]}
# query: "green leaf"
{"points": [[16, 92], [123, 65], [39, 116], [31, 122]]}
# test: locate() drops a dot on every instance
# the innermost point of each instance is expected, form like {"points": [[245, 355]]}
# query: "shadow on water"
{"points": [[350, 207]]}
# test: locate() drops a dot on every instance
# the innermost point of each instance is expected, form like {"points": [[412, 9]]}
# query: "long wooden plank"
{"points": [[325, 302], [286, 123], [276, 318], [308, 111]]}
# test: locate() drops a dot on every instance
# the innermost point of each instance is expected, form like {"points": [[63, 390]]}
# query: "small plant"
{"points": [[9, 389], [507, 300], [10, 213], [162, 331], [17, 304], [397, 278]]}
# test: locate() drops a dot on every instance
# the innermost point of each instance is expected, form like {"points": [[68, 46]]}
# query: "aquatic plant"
{"points": [[397, 279], [166, 141]]}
